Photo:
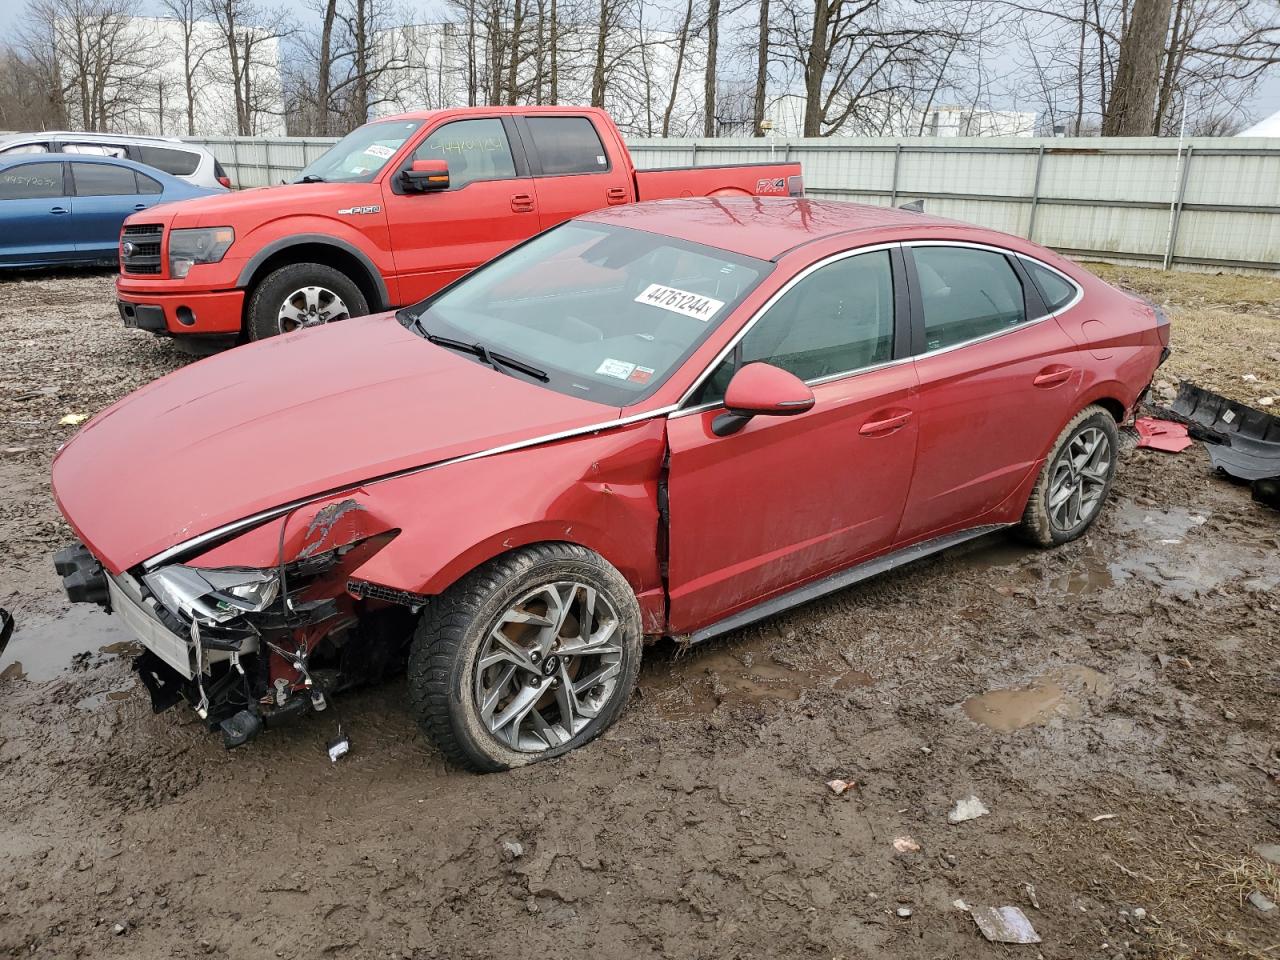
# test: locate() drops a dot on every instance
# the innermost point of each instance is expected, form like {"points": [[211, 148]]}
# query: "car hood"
{"points": [[261, 204], [285, 419]]}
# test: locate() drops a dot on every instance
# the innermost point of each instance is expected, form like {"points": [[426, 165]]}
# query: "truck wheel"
{"points": [[1074, 481], [302, 295], [528, 657]]}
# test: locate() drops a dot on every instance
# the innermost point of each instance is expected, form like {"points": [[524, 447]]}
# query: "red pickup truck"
{"points": [[396, 210]]}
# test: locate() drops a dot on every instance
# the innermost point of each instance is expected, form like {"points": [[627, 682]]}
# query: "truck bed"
{"points": [[735, 179]]}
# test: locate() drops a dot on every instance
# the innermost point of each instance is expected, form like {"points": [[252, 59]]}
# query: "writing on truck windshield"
{"points": [[361, 154], [601, 312]]}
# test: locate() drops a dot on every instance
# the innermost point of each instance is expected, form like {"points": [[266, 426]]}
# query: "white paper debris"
{"points": [[967, 808], [1004, 925]]}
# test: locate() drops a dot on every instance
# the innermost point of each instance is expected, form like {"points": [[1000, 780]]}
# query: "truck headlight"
{"points": [[197, 245], [213, 596]]}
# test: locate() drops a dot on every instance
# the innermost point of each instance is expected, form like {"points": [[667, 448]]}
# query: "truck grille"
{"points": [[142, 243]]}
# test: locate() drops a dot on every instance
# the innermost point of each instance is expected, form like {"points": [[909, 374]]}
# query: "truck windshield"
{"points": [[358, 156], [601, 312]]}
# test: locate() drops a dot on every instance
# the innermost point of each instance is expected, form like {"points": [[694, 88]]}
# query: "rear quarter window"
{"points": [[177, 163], [1056, 290], [567, 145]]}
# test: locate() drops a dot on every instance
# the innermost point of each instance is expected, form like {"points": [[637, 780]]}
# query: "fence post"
{"points": [[893, 188], [693, 156], [266, 157], [1035, 193], [1176, 214], [235, 160]]}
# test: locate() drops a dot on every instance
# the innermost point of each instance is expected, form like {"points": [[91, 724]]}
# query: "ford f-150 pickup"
{"points": [[396, 210]]}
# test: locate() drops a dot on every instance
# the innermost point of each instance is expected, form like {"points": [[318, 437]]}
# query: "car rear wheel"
{"points": [[1074, 481], [302, 295], [526, 658]]}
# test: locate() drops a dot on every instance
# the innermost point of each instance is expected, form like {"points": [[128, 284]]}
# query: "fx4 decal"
{"points": [[771, 185]]}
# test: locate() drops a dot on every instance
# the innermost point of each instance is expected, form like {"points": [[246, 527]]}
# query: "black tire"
{"points": [[1043, 526], [268, 297], [449, 640]]}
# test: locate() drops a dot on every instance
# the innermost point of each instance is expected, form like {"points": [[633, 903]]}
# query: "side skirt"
{"points": [[839, 580]]}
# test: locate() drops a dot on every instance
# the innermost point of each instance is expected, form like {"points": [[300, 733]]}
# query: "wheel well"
{"points": [[1113, 407], [326, 254]]}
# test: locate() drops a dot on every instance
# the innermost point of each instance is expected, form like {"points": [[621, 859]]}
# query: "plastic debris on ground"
{"points": [[1164, 435], [73, 419], [905, 844], [838, 787], [1242, 442], [967, 808], [1004, 925]]}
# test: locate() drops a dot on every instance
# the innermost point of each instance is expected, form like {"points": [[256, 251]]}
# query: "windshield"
{"points": [[601, 312], [358, 156]]}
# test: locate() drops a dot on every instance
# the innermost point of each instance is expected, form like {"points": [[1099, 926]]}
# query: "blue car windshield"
{"points": [[602, 312]]}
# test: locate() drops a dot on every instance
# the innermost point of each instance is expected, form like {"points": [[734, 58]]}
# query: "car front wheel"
{"points": [[530, 656], [302, 295], [1074, 481]]}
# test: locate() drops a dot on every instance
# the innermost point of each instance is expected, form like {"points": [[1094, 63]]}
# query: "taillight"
{"points": [[225, 181]]}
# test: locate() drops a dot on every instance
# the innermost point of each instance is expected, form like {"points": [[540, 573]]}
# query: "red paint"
{"points": [[886, 457], [416, 242], [1162, 435]]}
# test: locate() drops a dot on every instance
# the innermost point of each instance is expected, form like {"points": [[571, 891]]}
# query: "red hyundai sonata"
{"points": [[665, 419]]}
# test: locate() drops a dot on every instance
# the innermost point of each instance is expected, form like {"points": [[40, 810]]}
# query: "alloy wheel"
{"points": [[310, 307], [1079, 479], [548, 666]]}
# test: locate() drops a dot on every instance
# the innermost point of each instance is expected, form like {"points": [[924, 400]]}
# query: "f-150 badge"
{"points": [[371, 208]]}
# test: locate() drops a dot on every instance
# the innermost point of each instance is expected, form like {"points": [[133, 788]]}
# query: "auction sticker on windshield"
{"points": [[680, 301]]}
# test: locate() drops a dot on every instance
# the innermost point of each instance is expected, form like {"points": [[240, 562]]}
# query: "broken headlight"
{"points": [[199, 245], [213, 596]]}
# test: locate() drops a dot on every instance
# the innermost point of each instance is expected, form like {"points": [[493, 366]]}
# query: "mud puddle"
{"points": [[1061, 693], [43, 646]]}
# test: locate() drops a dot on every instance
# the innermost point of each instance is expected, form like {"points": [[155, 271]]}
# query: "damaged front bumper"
{"points": [[246, 648]]}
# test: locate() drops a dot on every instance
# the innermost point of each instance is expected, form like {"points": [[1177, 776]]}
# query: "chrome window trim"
{"points": [[263, 516], [778, 294]]}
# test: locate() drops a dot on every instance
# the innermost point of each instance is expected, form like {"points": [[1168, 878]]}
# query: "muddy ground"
{"points": [[1113, 703]]}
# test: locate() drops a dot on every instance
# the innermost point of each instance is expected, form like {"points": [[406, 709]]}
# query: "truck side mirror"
{"points": [[425, 176]]}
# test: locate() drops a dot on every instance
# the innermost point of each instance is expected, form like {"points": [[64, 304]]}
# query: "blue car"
{"points": [[58, 210]]}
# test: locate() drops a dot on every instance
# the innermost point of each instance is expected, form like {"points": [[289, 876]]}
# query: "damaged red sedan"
{"points": [[667, 419]]}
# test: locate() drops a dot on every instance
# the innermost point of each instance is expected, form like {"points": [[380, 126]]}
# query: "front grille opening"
{"points": [[146, 239]]}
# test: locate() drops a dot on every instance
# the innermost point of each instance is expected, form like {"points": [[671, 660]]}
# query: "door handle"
{"points": [[886, 425], [58, 210], [616, 195], [522, 203], [139, 206], [1053, 376]]}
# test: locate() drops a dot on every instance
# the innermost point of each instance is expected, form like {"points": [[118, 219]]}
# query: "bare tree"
{"points": [[762, 71], [709, 75], [195, 50], [1132, 105], [251, 36]]}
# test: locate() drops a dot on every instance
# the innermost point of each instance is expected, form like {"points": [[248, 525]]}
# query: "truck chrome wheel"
{"points": [[548, 666], [1079, 479], [310, 307]]}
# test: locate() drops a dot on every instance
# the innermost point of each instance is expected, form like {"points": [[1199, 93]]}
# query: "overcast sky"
{"points": [[1265, 103]]}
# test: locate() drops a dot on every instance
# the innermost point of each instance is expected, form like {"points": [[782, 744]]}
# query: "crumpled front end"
{"points": [[250, 645]]}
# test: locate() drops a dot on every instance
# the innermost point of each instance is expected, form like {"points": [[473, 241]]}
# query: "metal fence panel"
{"points": [[1207, 202]]}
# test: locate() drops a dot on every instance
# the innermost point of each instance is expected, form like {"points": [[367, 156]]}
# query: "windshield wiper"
{"points": [[519, 365], [311, 178], [487, 357]]}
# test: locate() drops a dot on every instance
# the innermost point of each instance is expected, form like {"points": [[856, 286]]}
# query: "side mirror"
{"points": [[761, 390], [425, 176]]}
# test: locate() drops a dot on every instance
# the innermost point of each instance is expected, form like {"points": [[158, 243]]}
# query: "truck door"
{"points": [[490, 206], [573, 170]]}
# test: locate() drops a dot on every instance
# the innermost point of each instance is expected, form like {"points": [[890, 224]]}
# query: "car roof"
{"points": [[18, 158], [761, 227], [496, 111], [90, 137]]}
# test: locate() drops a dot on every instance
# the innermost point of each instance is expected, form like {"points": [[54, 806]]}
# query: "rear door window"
{"points": [[1056, 290], [27, 148], [967, 294], [102, 180], [474, 149], [177, 163], [567, 145], [32, 181]]}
